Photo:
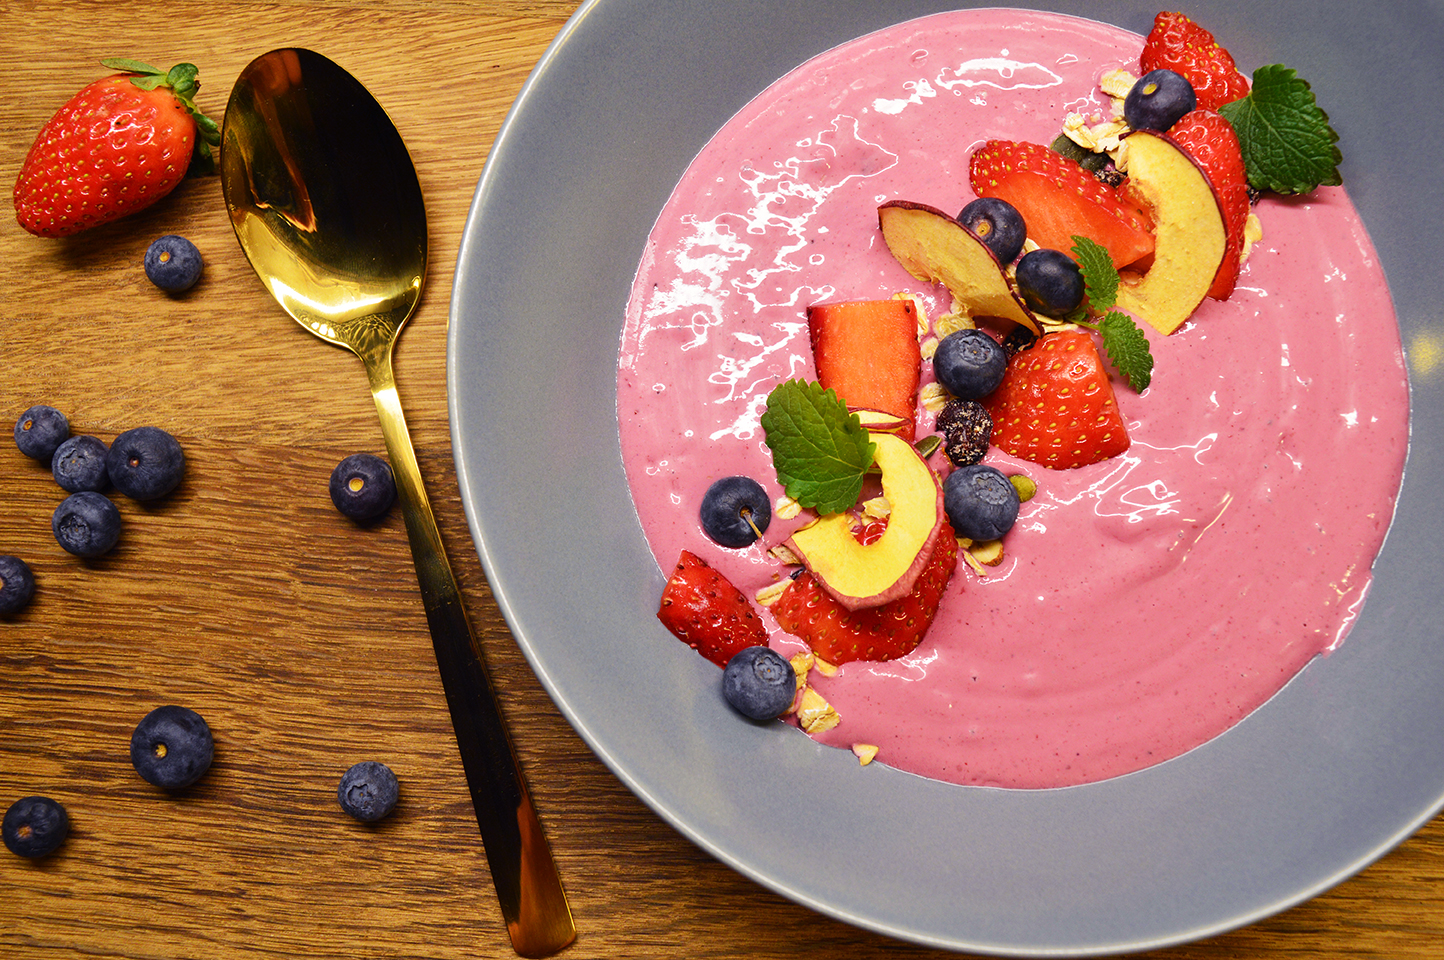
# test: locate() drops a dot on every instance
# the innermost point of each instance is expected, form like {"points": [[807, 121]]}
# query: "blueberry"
{"points": [[998, 224], [86, 524], [17, 585], [970, 364], [173, 264], [1158, 100], [368, 791], [40, 430], [1050, 282], [362, 487], [967, 428], [79, 464], [145, 463], [172, 747], [981, 503], [759, 683], [735, 511], [34, 826]]}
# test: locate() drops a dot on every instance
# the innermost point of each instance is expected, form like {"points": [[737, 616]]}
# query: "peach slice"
{"points": [[1190, 240], [936, 248], [880, 421], [868, 576]]}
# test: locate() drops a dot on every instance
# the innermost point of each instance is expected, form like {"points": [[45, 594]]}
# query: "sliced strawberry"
{"points": [[1055, 406], [1059, 200], [706, 612], [886, 632], [1211, 141], [1177, 43], [867, 350], [870, 531]]}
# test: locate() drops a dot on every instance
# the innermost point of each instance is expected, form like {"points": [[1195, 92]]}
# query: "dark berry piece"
{"points": [[970, 364], [1018, 339], [368, 791], [79, 464], [1050, 282], [1158, 100], [34, 826], [362, 487], [981, 503], [967, 428], [17, 585], [173, 264], [998, 224], [759, 683], [735, 511], [145, 463], [86, 524], [40, 430], [172, 747]]}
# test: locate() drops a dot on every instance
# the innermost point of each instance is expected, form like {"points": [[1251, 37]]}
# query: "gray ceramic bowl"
{"points": [[1331, 773]]}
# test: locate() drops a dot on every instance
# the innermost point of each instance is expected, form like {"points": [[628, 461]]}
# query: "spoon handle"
{"points": [[528, 886]]}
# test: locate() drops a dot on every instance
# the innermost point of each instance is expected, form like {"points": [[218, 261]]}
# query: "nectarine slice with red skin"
{"points": [[936, 248], [1191, 237], [858, 575]]}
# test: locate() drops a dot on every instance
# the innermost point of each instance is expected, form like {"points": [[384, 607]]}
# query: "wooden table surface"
{"points": [[300, 636]]}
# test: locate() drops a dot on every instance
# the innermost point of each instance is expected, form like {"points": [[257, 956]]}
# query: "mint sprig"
{"points": [[1127, 347], [1287, 143], [1125, 344], [820, 451]]}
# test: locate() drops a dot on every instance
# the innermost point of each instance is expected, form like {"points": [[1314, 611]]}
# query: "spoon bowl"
{"points": [[324, 199], [326, 204]]}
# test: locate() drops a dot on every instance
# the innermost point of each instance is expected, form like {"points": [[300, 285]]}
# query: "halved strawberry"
{"points": [[1211, 141], [706, 612], [1059, 200], [1177, 43], [867, 350], [1055, 406], [885, 632]]}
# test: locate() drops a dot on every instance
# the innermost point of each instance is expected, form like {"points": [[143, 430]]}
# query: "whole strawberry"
{"points": [[116, 147]]}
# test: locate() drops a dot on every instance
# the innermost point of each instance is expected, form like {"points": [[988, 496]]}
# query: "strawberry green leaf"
{"points": [[820, 450], [1100, 277], [1287, 143], [1127, 348], [131, 66]]}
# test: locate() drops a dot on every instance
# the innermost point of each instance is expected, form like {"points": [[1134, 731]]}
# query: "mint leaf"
{"points": [[1100, 277], [1127, 347], [1288, 145], [819, 449]]}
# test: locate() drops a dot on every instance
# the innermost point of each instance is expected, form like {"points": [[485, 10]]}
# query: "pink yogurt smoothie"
{"points": [[1147, 603]]}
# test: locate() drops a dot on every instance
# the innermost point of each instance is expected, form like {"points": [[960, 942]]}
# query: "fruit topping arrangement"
{"points": [[1068, 253]]}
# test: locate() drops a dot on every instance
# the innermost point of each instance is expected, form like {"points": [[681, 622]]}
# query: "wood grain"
{"points": [[299, 635]]}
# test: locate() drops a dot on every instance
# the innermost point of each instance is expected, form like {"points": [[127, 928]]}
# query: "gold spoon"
{"points": [[326, 205]]}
